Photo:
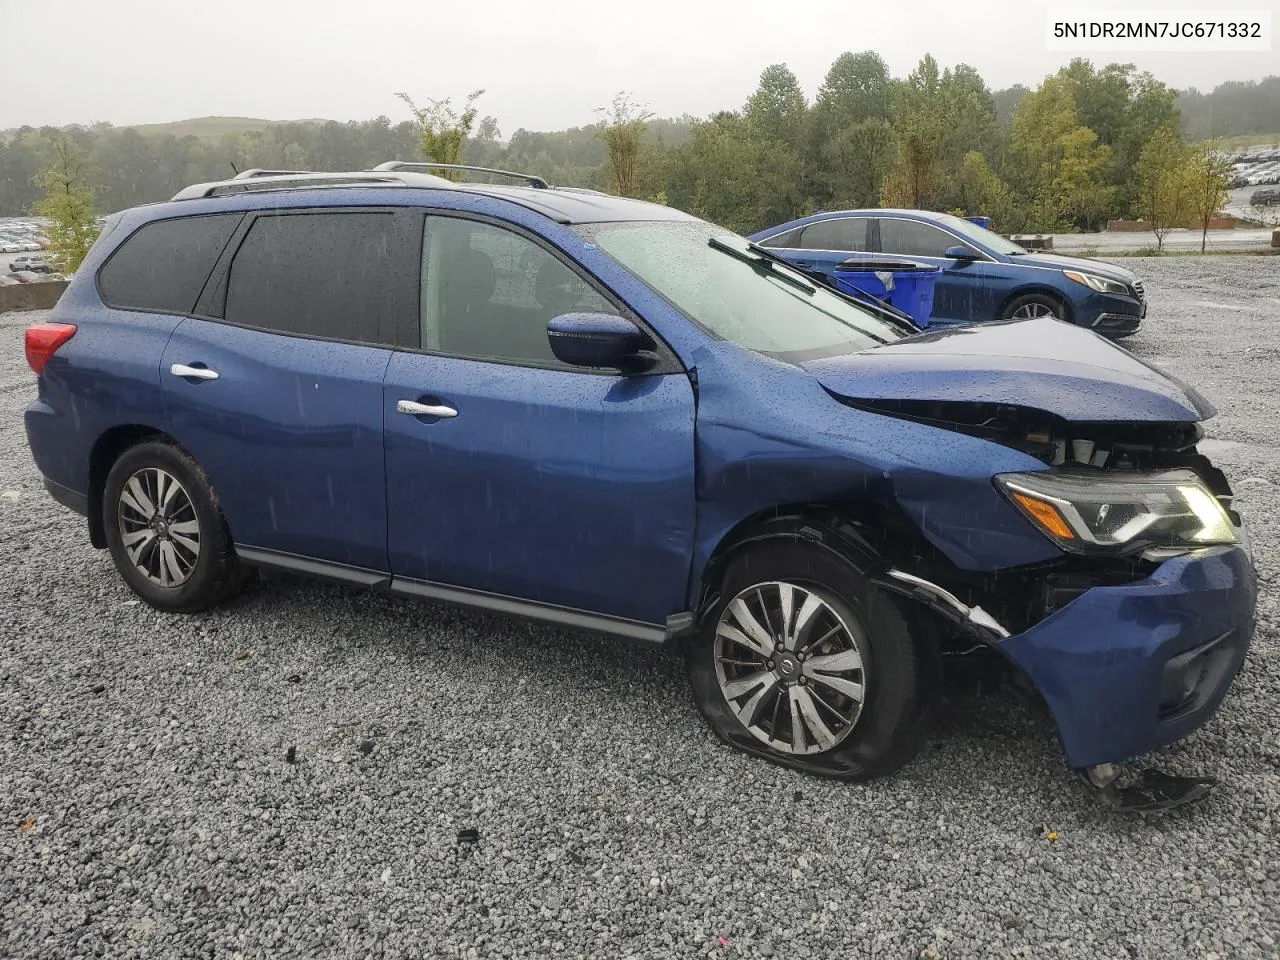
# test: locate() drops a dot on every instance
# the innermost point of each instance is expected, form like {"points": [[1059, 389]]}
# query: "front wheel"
{"points": [[803, 662], [165, 532], [1035, 306]]}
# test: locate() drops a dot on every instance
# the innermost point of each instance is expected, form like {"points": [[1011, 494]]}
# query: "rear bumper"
{"points": [[76, 502], [1130, 668]]}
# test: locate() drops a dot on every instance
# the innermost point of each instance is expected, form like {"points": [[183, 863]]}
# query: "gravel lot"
{"points": [[147, 808]]}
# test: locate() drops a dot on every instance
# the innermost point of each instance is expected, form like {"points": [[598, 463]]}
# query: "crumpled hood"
{"points": [[1056, 262], [1043, 364]]}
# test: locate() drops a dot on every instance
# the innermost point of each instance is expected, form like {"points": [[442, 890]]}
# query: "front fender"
{"points": [[769, 436]]}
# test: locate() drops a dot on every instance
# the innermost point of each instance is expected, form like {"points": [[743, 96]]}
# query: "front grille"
{"points": [[1139, 289]]}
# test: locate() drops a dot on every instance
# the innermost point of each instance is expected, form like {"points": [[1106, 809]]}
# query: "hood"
{"points": [[1084, 265], [1041, 364]]}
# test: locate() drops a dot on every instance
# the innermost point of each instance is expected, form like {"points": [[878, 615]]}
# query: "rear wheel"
{"points": [[805, 663], [1034, 306], [165, 532]]}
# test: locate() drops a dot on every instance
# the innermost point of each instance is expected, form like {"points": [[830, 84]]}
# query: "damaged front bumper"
{"points": [[1126, 669]]}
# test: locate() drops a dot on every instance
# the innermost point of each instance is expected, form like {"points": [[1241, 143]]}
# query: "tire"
{"points": [[158, 563], [1032, 305], [880, 734]]}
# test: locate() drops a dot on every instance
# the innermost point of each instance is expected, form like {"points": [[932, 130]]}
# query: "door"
{"points": [[277, 391], [966, 290], [513, 474], [822, 246]]}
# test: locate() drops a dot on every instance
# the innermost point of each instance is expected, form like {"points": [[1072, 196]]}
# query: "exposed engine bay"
{"points": [[1116, 445]]}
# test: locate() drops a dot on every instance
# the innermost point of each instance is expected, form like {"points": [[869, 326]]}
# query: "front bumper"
{"points": [[1110, 314], [1126, 669]]}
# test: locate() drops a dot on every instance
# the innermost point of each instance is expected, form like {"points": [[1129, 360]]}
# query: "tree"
{"points": [[68, 204], [856, 88], [981, 192], [856, 162], [776, 109], [1208, 181], [1059, 166], [442, 130], [622, 130], [1163, 197], [913, 179]]}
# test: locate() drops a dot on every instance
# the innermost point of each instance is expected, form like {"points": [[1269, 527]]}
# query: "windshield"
{"points": [[736, 294], [971, 231]]}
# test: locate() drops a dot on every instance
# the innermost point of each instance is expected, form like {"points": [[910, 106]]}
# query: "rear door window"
{"points": [[163, 266], [336, 275], [846, 235]]}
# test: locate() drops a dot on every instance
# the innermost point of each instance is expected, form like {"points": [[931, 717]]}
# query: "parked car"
{"points": [[10, 247], [984, 276], [610, 415], [1265, 197], [26, 276], [34, 264]]}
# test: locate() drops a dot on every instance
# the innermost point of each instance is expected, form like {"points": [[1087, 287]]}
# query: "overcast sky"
{"points": [[544, 63]]}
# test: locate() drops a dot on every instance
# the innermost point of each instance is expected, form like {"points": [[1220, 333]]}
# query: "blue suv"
{"points": [[984, 276], [610, 415]]}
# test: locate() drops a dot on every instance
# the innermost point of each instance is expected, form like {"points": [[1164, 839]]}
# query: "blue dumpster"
{"points": [[983, 222], [906, 285]]}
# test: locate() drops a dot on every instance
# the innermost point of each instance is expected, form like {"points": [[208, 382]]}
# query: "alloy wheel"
{"points": [[1034, 311], [159, 528], [790, 667]]}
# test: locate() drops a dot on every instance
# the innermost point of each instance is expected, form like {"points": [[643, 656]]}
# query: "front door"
{"points": [[278, 395], [966, 290], [513, 474]]}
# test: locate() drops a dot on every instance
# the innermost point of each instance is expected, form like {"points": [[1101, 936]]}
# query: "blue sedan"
{"points": [[984, 276]]}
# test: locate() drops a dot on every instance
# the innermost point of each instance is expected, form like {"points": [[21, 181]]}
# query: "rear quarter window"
{"points": [[162, 266]]}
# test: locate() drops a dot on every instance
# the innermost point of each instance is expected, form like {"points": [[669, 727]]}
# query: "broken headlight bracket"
{"points": [[1154, 792]]}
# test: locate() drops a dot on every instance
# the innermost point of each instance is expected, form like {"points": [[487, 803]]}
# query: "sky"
{"points": [[545, 64]]}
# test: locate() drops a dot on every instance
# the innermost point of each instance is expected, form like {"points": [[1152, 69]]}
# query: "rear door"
{"points": [[824, 245], [530, 479], [275, 387]]}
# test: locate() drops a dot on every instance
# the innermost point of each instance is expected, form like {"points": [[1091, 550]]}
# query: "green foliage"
{"points": [[68, 204], [1164, 199], [622, 130], [1059, 165], [776, 110], [441, 129], [1208, 183]]}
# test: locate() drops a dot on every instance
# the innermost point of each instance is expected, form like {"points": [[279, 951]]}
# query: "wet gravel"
{"points": [[314, 771]]}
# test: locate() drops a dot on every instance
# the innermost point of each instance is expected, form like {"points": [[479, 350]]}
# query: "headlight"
{"points": [[1093, 282], [1086, 513]]}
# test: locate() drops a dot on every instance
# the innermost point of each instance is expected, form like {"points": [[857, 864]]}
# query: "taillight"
{"points": [[43, 341]]}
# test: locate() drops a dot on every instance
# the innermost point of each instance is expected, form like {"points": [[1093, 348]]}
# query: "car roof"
{"points": [[925, 215], [568, 205]]}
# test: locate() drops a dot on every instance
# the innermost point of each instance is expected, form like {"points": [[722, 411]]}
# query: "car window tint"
{"points": [[912, 239], [847, 234], [489, 293], [784, 240], [317, 274], [164, 265]]}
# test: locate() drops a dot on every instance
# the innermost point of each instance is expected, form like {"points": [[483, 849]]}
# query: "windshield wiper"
{"points": [[760, 260]]}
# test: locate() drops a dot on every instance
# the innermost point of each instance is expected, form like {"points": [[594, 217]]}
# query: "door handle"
{"points": [[415, 409], [196, 373]]}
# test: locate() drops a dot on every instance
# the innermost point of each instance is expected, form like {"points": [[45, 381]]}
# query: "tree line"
{"points": [[1063, 156]]}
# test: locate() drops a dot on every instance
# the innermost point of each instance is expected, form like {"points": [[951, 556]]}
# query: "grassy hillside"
{"points": [[212, 127], [1250, 140]]}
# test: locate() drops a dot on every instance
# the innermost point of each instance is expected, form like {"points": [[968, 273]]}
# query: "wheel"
{"points": [[165, 532], [803, 662], [1033, 306]]}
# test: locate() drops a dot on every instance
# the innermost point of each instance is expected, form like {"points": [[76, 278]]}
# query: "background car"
{"points": [[34, 264], [984, 276], [1265, 198]]}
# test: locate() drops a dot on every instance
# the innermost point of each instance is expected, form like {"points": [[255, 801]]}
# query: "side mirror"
{"points": [[597, 340], [960, 252]]}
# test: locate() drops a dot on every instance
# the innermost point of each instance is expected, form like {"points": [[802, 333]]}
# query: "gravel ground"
{"points": [[148, 808]]}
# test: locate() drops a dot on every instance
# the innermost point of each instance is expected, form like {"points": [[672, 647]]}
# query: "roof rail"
{"points": [[534, 181], [266, 180], [259, 172]]}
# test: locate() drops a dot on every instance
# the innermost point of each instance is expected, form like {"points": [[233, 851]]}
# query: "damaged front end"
{"points": [[1134, 635]]}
